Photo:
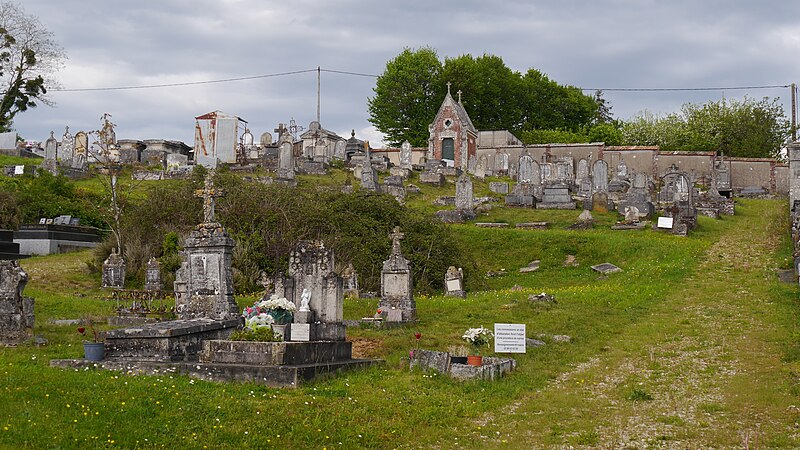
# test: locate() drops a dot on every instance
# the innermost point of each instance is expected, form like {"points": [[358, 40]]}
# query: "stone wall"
{"points": [[749, 172]]}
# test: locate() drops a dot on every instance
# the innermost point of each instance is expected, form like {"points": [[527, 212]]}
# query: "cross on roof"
{"points": [[459, 95], [208, 194], [448, 87], [396, 236]]}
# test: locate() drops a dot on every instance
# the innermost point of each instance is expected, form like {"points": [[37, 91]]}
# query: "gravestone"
{"points": [[501, 163], [397, 296], [548, 174], [82, 144], [582, 179], [369, 177], [606, 268], [723, 177], [393, 185], [339, 150], [480, 167], [622, 170], [638, 196], [152, 275], [266, 139], [405, 156], [464, 193], [600, 176], [67, 147], [564, 170], [114, 271], [525, 170], [556, 196], [311, 270], [204, 282], [286, 159], [454, 282], [498, 187], [536, 179], [350, 281], [522, 195], [16, 311], [51, 148], [600, 202]]}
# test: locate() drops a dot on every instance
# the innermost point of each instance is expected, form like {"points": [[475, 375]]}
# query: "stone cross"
{"points": [[396, 236], [280, 130], [208, 194], [459, 95], [448, 87]]}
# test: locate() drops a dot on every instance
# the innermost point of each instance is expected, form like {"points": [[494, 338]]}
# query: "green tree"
{"points": [[491, 91], [407, 96], [549, 105], [744, 128], [28, 57]]}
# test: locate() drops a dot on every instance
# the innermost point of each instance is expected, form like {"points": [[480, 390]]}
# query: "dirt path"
{"points": [[705, 370]]}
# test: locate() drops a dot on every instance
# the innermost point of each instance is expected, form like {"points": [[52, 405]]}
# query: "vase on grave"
{"points": [[94, 351], [281, 316], [475, 360]]}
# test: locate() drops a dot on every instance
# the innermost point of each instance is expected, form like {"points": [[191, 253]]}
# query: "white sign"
{"points": [[19, 170], [509, 338], [665, 222], [301, 332], [453, 285]]}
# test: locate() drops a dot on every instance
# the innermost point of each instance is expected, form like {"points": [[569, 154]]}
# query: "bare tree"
{"points": [[29, 56]]}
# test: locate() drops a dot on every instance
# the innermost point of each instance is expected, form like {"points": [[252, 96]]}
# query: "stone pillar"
{"points": [[794, 173], [16, 311]]}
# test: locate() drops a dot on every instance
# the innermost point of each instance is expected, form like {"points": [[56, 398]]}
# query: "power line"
{"points": [[344, 72], [729, 88], [190, 83]]}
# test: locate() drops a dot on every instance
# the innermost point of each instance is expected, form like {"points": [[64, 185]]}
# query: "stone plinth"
{"points": [[434, 178], [176, 340], [204, 283], [275, 353], [556, 197], [397, 296]]}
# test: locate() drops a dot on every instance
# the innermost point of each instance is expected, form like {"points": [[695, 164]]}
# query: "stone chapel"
{"points": [[453, 138]]}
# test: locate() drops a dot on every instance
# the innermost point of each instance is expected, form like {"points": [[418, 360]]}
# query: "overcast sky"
{"points": [[591, 44]]}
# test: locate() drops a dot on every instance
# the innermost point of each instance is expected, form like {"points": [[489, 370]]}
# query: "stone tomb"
{"points": [[397, 296], [16, 311], [454, 282], [556, 196], [114, 271]]}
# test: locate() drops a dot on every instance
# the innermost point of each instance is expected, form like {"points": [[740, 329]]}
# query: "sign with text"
{"points": [[509, 338], [665, 222]]}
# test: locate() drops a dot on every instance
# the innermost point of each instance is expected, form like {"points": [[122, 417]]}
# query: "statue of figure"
{"points": [[305, 298]]}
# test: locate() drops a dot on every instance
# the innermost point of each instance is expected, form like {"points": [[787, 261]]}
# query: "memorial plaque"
{"points": [[301, 332], [509, 338], [665, 222]]}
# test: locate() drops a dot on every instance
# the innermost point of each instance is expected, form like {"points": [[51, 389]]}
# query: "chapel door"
{"points": [[448, 149]]}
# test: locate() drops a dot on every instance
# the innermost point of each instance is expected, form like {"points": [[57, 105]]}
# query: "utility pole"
{"points": [[794, 112], [318, 78]]}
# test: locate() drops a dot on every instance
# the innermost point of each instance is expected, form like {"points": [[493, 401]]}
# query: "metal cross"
{"points": [[208, 194]]}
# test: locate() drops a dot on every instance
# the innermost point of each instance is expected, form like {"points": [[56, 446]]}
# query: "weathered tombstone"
{"points": [[480, 167], [397, 296], [51, 148], [405, 155], [564, 172], [82, 144], [67, 147], [204, 282], [454, 282], [152, 275], [622, 169], [393, 185], [114, 271], [311, 270], [536, 179], [525, 171], [464, 193], [582, 179], [501, 163], [606, 268], [16, 311], [369, 177], [631, 215], [339, 150], [600, 176], [548, 173], [266, 139], [498, 187], [350, 281], [286, 159], [600, 202]]}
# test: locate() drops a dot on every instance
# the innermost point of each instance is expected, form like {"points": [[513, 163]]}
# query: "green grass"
{"points": [[611, 319]]}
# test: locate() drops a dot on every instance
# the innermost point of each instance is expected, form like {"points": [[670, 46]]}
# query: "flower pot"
{"points": [[475, 360], [283, 329], [94, 351], [281, 316]]}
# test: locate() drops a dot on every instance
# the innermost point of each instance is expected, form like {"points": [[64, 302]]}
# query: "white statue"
{"points": [[305, 298]]}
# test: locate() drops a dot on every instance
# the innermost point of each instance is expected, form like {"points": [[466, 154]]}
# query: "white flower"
{"points": [[478, 336], [260, 320], [275, 302]]}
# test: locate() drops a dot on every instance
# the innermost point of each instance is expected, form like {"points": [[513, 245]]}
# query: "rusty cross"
{"points": [[208, 194]]}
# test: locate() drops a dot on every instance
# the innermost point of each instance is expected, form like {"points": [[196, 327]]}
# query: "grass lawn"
{"points": [[694, 344]]}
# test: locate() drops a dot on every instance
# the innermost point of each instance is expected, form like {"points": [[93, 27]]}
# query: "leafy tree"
{"points": [[410, 91], [491, 91], [606, 132], [603, 114], [28, 57], [745, 128], [407, 96]]}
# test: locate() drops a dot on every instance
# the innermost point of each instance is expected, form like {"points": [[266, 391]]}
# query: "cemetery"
{"points": [[341, 298]]}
